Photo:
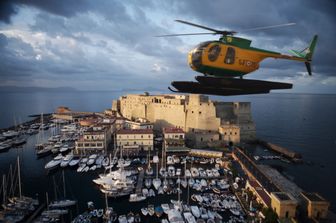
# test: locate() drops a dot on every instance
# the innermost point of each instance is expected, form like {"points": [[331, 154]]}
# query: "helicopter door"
{"points": [[230, 55]]}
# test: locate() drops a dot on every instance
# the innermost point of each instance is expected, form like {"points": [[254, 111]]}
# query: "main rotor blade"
{"points": [[185, 34], [199, 26], [268, 27]]}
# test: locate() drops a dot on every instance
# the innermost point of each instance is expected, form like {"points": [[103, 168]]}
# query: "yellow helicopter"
{"points": [[224, 62]]}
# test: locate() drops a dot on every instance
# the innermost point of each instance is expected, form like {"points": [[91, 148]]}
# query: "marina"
{"points": [[138, 175], [184, 175]]}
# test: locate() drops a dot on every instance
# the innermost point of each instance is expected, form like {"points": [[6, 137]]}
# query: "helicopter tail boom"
{"points": [[306, 54]]}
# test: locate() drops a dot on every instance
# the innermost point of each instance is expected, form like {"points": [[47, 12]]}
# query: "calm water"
{"points": [[303, 123]]}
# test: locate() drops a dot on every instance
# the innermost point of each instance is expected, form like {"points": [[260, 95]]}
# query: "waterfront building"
{"points": [[65, 113], [174, 140], [284, 205], [120, 123], [262, 196], [198, 116], [139, 123], [94, 140], [230, 133], [317, 206], [132, 141]]}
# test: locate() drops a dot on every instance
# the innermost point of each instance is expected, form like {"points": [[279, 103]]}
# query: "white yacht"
{"points": [[136, 198]]}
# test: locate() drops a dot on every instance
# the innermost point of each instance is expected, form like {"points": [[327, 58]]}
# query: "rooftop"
{"points": [[313, 196], [135, 131], [173, 130], [283, 196], [261, 192]]}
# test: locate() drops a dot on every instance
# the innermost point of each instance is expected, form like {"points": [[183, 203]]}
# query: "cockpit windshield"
{"points": [[202, 45]]}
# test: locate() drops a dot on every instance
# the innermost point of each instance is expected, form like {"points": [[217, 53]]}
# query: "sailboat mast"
{"points": [[19, 176], [157, 167], [63, 183], [4, 188], [47, 200], [106, 203]]}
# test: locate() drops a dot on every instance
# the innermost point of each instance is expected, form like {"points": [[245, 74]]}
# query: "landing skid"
{"points": [[226, 86]]}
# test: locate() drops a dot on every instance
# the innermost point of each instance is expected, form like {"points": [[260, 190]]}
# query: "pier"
{"points": [[138, 189], [36, 213], [279, 149]]}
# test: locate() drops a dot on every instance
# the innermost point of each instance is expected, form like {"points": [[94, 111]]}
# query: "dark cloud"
{"points": [[7, 9], [130, 27]]}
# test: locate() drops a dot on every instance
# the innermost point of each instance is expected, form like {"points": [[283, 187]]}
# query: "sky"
{"points": [[110, 44]]}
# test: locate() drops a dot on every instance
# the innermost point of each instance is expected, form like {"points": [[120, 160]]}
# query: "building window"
{"points": [[201, 139], [199, 112]]}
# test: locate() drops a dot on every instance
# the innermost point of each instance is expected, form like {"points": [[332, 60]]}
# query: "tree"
{"points": [[270, 215]]}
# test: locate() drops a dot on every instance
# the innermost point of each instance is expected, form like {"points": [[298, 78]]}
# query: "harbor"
{"points": [[104, 167], [184, 184]]}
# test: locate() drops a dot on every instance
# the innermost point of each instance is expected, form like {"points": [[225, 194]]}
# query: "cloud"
{"points": [[106, 45]]}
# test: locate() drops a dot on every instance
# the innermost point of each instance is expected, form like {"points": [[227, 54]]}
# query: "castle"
{"points": [[205, 122]]}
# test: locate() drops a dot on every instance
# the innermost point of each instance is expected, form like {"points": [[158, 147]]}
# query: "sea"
{"points": [[304, 123]]}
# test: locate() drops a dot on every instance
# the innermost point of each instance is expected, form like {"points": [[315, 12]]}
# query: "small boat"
{"points": [[130, 217], [19, 141], [149, 170], [99, 160], [86, 169], [54, 212], [204, 213], [136, 198], [156, 183], [81, 167], [148, 182], [64, 148], [151, 210], [195, 211], [62, 203], [158, 211], [105, 161], [163, 172], [94, 167], [151, 193], [144, 211], [4, 147], [59, 157], [165, 208], [160, 190], [52, 164], [66, 160], [145, 192], [90, 161], [84, 160], [170, 160], [122, 219], [235, 211], [189, 217], [74, 161], [137, 218]]}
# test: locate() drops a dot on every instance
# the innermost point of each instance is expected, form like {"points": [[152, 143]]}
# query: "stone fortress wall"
{"points": [[204, 121]]}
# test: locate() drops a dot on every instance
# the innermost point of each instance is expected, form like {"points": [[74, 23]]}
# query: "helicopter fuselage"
{"points": [[229, 57]]}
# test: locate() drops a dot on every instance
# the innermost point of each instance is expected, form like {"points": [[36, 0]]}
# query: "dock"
{"points": [[138, 189], [36, 212], [279, 149]]}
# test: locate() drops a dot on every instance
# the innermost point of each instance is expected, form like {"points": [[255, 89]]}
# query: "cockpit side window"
{"points": [[214, 52], [230, 56]]}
